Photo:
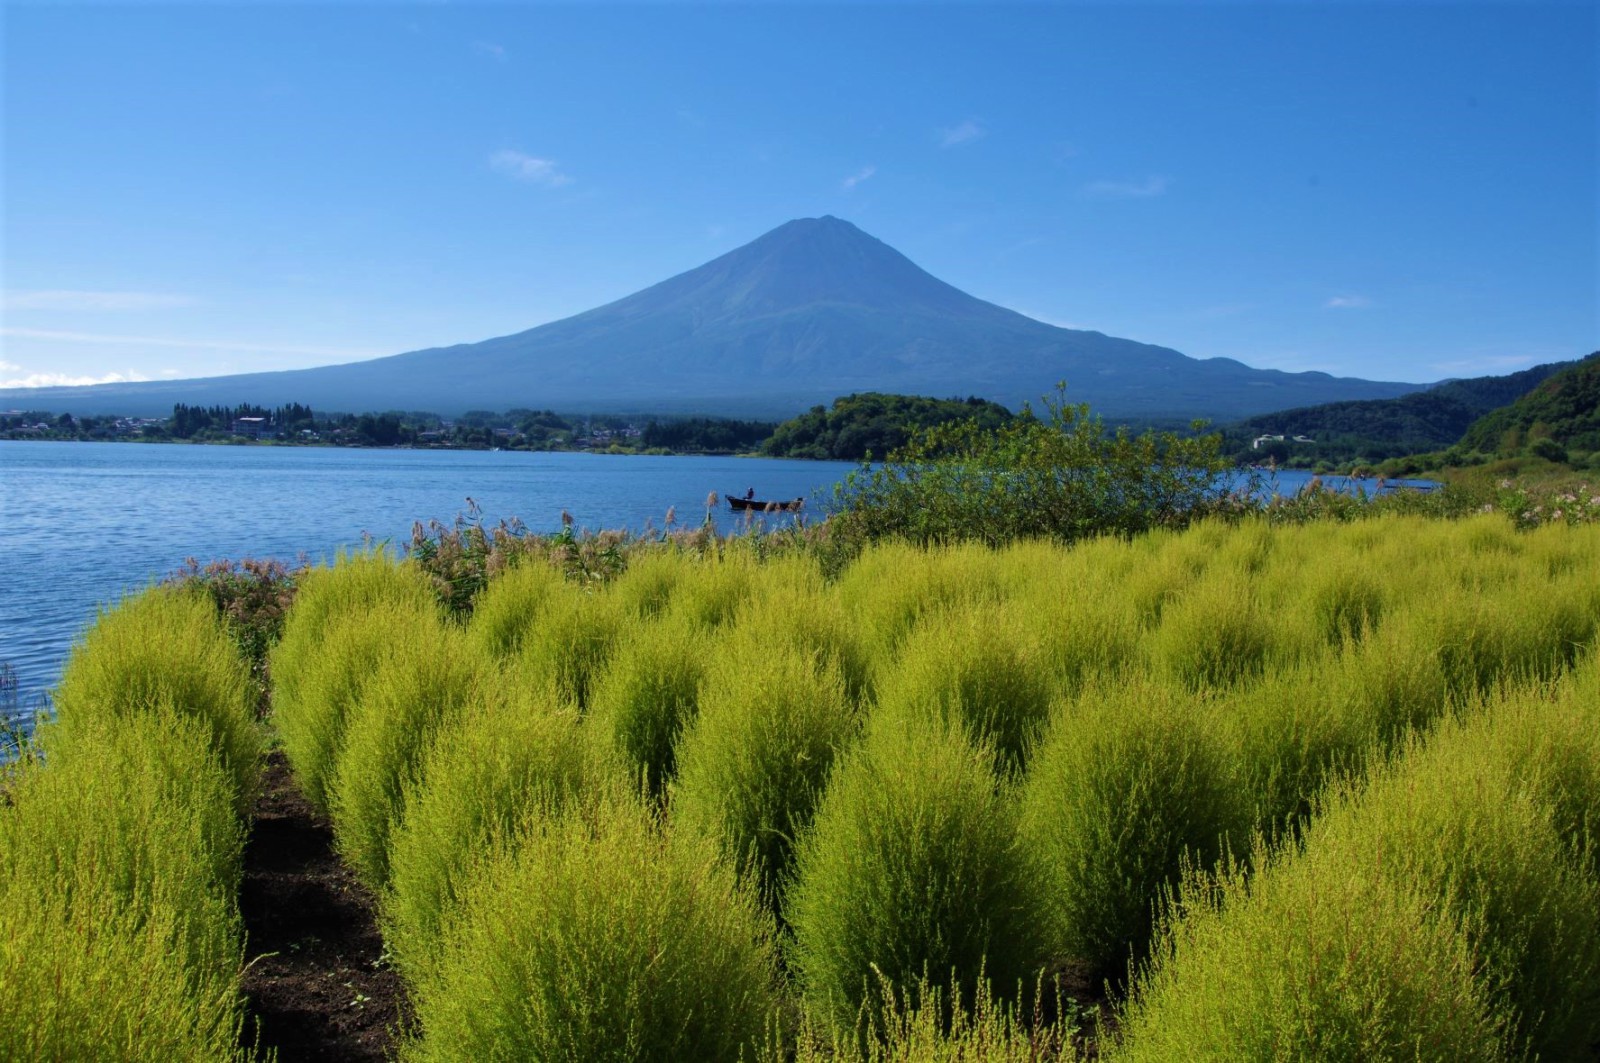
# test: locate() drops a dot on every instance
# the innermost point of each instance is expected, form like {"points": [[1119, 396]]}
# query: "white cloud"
{"points": [[1149, 187], [527, 168], [964, 133], [91, 301], [494, 51], [1347, 302], [65, 380], [195, 345], [860, 175]]}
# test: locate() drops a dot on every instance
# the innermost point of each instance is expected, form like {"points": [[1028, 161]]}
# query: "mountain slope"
{"points": [[1422, 420], [1565, 408], [812, 310]]}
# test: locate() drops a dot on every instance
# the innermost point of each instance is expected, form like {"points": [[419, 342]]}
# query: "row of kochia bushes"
{"points": [[121, 834], [721, 806]]}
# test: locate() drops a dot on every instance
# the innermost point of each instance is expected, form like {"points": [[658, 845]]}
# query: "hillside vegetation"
{"points": [[1563, 410], [1372, 430], [857, 427]]}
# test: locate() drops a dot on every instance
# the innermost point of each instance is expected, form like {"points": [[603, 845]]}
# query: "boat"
{"points": [[762, 505]]}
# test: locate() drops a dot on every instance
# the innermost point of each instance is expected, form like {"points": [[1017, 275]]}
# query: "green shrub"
{"points": [[919, 1026], [330, 680], [1213, 635], [119, 866], [167, 648], [1455, 821], [512, 605], [816, 623], [648, 693], [891, 586], [911, 871], [600, 938], [753, 763], [710, 588], [1077, 606], [570, 645], [1313, 958], [333, 636], [421, 686], [506, 760], [982, 668], [1128, 782], [646, 587]]}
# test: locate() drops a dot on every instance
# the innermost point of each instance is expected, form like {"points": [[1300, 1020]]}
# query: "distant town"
{"points": [[297, 425]]}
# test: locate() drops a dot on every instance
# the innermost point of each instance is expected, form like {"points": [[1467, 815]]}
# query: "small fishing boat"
{"points": [[762, 505]]}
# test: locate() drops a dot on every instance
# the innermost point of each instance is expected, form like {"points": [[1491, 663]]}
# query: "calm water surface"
{"points": [[87, 522]]}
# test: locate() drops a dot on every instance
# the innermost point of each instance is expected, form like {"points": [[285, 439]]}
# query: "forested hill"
{"points": [[1423, 420], [872, 424], [1565, 408]]}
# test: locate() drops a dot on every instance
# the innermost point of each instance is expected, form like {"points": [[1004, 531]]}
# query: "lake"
{"points": [[87, 522]]}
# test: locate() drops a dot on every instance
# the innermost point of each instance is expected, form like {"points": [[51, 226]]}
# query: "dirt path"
{"points": [[317, 986]]}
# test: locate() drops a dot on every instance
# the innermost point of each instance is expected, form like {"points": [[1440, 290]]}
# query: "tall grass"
{"points": [[162, 648], [1130, 781], [428, 678], [600, 938], [119, 866], [912, 872], [514, 756], [341, 625], [753, 763]]}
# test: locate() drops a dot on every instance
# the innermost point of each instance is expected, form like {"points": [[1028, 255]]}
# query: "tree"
{"points": [[1060, 477]]}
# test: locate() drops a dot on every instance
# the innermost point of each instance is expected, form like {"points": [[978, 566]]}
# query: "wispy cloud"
{"points": [[964, 133], [192, 345], [1347, 302], [1146, 189], [860, 175], [62, 380], [489, 48], [91, 301], [527, 168]]}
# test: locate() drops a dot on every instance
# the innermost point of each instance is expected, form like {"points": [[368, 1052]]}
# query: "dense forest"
{"points": [[1560, 416], [873, 424]]}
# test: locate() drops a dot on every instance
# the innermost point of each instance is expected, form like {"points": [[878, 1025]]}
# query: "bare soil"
{"points": [[317, 982]]}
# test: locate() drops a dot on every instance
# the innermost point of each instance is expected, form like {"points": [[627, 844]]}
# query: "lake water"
{"points": [[84, 523], [87, 522]]}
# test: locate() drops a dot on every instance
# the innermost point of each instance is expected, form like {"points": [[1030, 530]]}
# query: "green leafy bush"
{"points": [[1129, 782], [163, 648], [599, 937], [912, 872], [514, 756], [425, 681], [648, 693], [984, 669], [1062, 477], [119, 867], [753, 763]]}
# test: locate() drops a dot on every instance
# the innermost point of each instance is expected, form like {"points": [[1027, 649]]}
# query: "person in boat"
{"points": [[750, 494]]}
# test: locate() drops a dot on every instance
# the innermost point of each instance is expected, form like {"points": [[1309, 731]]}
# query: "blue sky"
{"points": [[1391, 191]]}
